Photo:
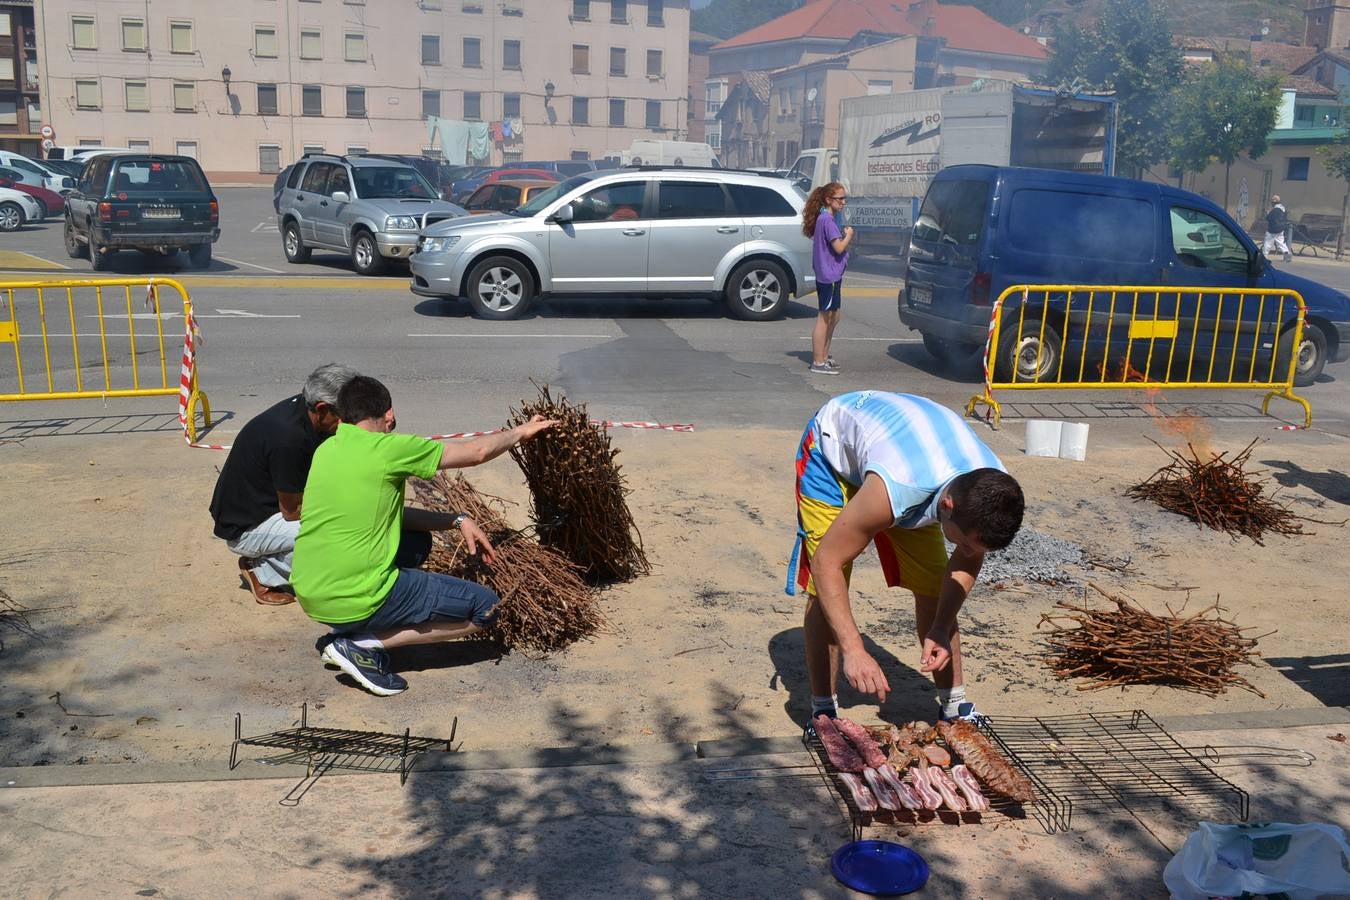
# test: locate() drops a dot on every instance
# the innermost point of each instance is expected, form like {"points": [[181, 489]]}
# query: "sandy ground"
{"points": [[153, 648]]}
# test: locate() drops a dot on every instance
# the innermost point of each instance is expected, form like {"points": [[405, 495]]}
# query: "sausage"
{"points": [[842, 756]]}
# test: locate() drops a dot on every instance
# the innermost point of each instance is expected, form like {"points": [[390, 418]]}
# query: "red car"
{"points": [[521, 175], [54, 203]]}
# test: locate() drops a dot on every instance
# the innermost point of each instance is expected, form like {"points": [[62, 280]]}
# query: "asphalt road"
{"points": [[267, 323]]}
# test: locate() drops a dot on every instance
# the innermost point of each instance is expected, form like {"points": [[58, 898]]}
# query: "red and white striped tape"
{"points": [[1291, 427], [653, 426]]}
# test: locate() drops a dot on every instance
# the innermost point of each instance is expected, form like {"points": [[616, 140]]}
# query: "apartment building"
{"points": [[20, 110], [247, 86]]}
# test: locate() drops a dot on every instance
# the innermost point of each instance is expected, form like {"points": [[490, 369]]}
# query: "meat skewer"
{"points": [[862, 797], [842, 756], [859, 737], [983, 759], [970, 788], [943, 784]]}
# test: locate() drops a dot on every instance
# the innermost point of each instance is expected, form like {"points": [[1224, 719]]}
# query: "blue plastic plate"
{"points": [[879, 867]]}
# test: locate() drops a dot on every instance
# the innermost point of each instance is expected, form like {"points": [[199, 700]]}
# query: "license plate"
{"points": [[920, 296], [160, 213]]}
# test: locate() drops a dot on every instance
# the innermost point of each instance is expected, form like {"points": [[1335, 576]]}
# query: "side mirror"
{"points": [[563, 214], [1196, 236], [341, 197], [1256, 264]]}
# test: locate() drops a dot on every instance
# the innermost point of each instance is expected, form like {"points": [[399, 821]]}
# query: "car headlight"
{"points": [[401, 223], [437, 244]]}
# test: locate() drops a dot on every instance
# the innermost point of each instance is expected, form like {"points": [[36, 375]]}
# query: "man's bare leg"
{"points": [[822, 651], [426, 633], [925, 610]]}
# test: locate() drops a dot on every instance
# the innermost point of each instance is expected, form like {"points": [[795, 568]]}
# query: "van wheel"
{"points": [[1028, 358], [1310, 359], [11, 217], [758, 291], [75, 249], [366, 258], [294, 248], [500, 288]]}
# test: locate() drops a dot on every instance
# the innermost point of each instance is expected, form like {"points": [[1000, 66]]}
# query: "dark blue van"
{"points": [[984, 228]]}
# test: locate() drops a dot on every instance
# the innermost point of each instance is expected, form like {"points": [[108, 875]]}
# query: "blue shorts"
{"points": [[830, 295]]}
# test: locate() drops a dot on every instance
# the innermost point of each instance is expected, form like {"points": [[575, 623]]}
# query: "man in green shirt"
{"points": [[356, 557]]}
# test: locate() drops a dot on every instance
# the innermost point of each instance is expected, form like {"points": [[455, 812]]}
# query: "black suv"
{"points": [[141, 201]]}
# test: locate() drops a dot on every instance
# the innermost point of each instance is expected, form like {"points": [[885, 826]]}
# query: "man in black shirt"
{"points": [[256, 504]]}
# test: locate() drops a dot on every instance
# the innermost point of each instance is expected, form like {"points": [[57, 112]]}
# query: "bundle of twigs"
{"points": [[545, 605], [1217, 493], [578, 492], [1127, 644]]}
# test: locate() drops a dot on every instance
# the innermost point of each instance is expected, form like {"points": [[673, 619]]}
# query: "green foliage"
{"points": [[1336, 157], [1009, 12], [725, 18], [1224, 110], [1131, 52]]}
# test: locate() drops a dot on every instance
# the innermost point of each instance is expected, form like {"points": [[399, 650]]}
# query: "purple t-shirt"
{"points": [[828, 265]]}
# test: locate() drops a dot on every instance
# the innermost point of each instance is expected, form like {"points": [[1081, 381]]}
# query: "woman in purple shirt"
{"points": [[829, 258]]}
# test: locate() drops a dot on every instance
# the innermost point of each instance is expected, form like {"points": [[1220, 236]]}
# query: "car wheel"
{"points": [[11, 217], [98, 258], [200, 256], [1310, 358], [295, 249], [75, 249], [366, 258], [1033, 357], [500, 288], [758, 291]]}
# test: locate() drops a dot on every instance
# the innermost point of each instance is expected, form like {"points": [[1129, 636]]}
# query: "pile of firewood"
{"points": [[578, 491], [545, 604], [1126, 644], [1215, 492]]}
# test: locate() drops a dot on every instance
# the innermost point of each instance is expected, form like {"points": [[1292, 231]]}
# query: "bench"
{"points": [[1316, 232]]}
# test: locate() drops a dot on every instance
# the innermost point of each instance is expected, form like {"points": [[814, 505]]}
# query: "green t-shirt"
{"points": [[351, 519]]}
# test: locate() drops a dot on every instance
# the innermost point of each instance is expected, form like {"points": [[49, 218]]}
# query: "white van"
{"points": [[670, 153], [77, 151]]}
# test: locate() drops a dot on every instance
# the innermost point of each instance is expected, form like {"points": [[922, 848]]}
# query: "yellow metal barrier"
{"points": [[1097, 337], [37, 309]]}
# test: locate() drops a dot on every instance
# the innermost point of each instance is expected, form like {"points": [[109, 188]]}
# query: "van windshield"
{"points": [[139, 176], [953, 213]]}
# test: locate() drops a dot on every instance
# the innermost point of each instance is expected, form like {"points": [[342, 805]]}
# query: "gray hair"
{"points": [[323, 384]]}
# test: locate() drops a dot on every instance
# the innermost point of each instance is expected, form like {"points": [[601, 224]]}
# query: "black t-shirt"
{"points": [[271, 454]]}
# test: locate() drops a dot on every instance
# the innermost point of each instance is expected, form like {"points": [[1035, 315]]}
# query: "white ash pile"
{"points": [[1032, 556]]}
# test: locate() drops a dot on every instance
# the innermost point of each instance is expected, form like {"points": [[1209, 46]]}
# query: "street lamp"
{"points": [[225, 77]]}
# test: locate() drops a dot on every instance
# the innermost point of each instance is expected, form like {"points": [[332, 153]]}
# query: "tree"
{"points": [[1336, 158], [1223, 111], [1131, 52], [725, 18]]}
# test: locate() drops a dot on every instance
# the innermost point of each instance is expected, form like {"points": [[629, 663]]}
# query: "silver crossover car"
{"points": [[369, 207], [646, 231]]}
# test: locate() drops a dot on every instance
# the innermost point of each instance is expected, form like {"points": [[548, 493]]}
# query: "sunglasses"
{"points": [[841, 199]]}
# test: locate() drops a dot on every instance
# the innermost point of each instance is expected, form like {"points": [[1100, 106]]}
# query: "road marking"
{"points": [[471, 335], [888, 340], [265, 227], [245, 314], [17, 259], [240, 262]]}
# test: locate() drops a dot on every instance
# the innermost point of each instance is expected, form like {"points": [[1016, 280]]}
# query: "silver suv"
{"points": [[371, 208], [638, 231]]}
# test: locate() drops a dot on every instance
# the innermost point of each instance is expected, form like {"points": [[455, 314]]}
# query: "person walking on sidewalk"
{"points": [[1277, 221], [904, 473], [829, 259], [256, 503]]}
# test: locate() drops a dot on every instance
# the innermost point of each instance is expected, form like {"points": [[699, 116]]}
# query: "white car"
{"points": [[37, 173], [17, 209]]}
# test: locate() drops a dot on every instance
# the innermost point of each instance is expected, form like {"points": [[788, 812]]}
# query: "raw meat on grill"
{"points": [[862, 797], [862, 741], [970, 787], [881, 790], [943, 784], [918, 779], [985, 762], [842, 756], [936, 755], [907, 796]]}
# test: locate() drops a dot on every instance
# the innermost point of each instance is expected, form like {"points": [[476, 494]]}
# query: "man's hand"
{"points": [[478, 541], [936, 653], [536, 424], [848, 231], [865, 675]]}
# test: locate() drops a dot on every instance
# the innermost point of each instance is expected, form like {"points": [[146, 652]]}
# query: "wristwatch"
{"points": [[458, 519]]}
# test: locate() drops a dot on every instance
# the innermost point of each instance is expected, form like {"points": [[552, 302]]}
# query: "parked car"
{"points": [[437, 171], [563, 168], [504, 196], [982, 229], [52, 202], [155, 203], [68, 167], [651, 232], [18, 209], [80, 151], [37, 173], [469, 181], [368, 207]]}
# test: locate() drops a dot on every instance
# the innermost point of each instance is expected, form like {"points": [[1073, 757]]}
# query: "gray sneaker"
{"points": [[823, 369], [829, 361]]}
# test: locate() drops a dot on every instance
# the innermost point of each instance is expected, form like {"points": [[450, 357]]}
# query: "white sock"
{"points": [[366, 641], [951, 699], [824, 704]]}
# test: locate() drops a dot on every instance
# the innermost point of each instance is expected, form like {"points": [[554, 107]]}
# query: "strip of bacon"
{"points": [[862, 797], [951, 794], [881, 790], [908, 797], [970, 788], [918, 779]]}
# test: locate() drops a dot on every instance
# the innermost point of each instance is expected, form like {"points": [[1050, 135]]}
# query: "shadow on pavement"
{"points": [[1332, 484], [1327, 678], [64, 426], [610, 308]]}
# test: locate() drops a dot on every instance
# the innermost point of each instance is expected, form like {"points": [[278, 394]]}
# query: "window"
{"points": [[512, 8], [180, 38], [139, 146], [691, 200], [311, 43], [138, 96], [1070, 224], [431, 103], [357, 149], [656, 12], [473, 53], [511, 106], [185, 148], [473, 6], [82, 35], [265, 42], [713, 135], [1297, 169], [581, 10], [133, 35], [653, 113], [618, 61], [430, 4], [877, 86], [267, 99], [618, 11], [354, 47], [311, 100], [1203, 242], [316, 176], [616, 108], [653, 63], [581, 59], [759, 201], [511, 55], [356, 103], [86, 94], [312, 148], [431, 49], [473, 105], [184, 96], [714, 92], [581, 110], [613, 202]]}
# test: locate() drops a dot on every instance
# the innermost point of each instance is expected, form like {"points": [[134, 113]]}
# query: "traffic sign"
{"points": [[48, 144], [48, 132]]}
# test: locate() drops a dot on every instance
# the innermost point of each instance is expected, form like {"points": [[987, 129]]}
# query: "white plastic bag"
{"points": [[1303, 862]]}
